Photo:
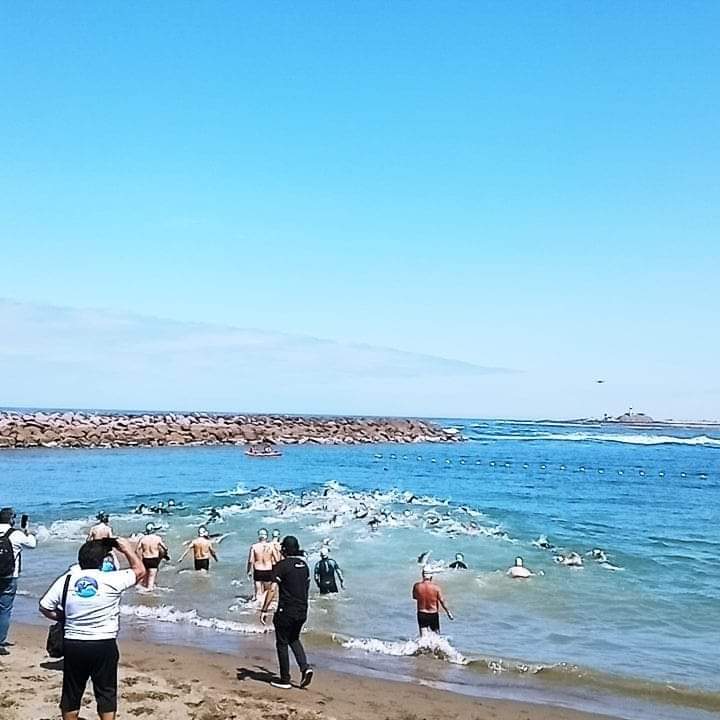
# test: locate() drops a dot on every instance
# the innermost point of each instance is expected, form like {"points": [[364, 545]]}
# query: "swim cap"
{"points": [[149, 528], [262, 533], [324, 552], [202, 531], [427, 573], [103, 517], [459, 556], [275, 534], [518, 562]]}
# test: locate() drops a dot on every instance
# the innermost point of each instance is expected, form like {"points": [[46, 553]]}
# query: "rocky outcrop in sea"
{"points": [[110, 430]]}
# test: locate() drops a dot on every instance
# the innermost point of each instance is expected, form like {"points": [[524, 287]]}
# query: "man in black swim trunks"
{"points": [[202, 550], [261, 558], [429, 599], [325, 572], [152, 550], [291, 579]]}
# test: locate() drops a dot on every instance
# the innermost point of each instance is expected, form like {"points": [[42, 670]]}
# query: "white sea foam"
{"points": [[431, 644], [169, 614], [635, 439], [71, 530]]}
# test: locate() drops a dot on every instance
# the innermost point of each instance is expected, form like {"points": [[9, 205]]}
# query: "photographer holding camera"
{"points": [[88, 600], [12, 543]]}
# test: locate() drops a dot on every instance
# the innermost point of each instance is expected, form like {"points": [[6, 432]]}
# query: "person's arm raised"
{"points": [[136, 564]]}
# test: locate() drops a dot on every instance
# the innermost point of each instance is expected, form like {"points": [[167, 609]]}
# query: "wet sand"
{"points": [[160, 681]]}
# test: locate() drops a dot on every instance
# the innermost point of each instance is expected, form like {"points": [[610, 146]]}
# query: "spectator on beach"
{"points": [[291, 579], [152, 550], [91, 615], [429, 601], [326, 570], [202, 550], [12, 542]]}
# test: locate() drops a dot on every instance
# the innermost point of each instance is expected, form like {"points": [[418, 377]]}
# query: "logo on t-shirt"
{"points": [[86, 587]]}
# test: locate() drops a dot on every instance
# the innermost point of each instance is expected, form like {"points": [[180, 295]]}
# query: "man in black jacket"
{"points": [[291, 579]]}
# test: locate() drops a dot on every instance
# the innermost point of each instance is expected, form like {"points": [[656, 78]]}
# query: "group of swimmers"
{"points": [[264, 554]]}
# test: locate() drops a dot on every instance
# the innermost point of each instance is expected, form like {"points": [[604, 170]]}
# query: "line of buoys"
{"points": [[642, 472]]}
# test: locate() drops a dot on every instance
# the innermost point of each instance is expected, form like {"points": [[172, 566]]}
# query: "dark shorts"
{"points": [[202, 564], [429, 620], [151, 563], [85, 660], [263, 575]]}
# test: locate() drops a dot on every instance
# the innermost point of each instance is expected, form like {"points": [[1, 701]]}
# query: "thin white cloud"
{"points": [[92, 358]]}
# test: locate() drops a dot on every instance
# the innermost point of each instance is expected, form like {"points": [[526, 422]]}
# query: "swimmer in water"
{"points": [[214, 515], [202, 550], [572, 559], [423, 557], [261, 558], [543, 543], [429, 600], [459, 563], [518, 571], [599, 555], [374, 524], [152, 551]]}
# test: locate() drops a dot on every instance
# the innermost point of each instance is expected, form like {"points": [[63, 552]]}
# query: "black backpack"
{"points": [[7, 555]]}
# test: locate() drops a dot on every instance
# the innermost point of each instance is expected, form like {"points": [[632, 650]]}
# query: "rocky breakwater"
{"points": [[91, 430]]}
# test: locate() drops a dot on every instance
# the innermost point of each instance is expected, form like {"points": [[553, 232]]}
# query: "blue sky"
{"points": [[527, 186]]}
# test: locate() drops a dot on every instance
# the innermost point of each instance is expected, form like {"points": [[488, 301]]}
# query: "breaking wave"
{"points": [[699, 440], [431, 645], [169, 614]]}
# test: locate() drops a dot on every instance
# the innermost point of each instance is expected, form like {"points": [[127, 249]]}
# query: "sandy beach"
{"points": [[184, 684]]}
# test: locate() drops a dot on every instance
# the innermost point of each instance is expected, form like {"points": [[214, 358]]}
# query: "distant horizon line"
{"points": [[165, 411]]}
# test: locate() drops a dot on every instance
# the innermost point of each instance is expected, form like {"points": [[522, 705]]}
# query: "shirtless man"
{"points": [[102, 530], [261, 558], [429, 599], [518, 571], [275, 541], [202, 550], [151, 550]]}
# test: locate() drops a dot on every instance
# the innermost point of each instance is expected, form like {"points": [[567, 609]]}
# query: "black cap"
{"points": [[290, 545]]}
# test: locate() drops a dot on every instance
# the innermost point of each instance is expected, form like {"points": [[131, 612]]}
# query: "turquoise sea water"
{"points": [[644, 624]]}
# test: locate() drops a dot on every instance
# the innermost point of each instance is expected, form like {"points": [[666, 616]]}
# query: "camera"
{"points": [[24, 521]]}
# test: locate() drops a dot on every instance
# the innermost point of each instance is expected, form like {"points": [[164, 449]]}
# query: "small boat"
{"points": [[263, 450]]}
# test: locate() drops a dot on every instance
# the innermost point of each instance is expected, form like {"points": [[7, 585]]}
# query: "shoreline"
{"points": [[577, 701], [175, 681]]}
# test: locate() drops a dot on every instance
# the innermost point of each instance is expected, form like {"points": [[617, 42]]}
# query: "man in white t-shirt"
{"points": [[92, 612], [14, 540]]}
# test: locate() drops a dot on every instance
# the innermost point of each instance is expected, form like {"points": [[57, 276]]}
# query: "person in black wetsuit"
{"points": [[459, 563], [325, 572], [291, 579]]}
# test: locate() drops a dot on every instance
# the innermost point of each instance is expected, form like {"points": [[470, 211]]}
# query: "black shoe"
{"points": [[307, 677], [3, 651], [281, 684], [7, 643]]}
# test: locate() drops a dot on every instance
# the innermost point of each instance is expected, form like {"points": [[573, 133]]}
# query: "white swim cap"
{"points": [[518, 562], [202, 531], [262, 533], [324, 552], [427, 573], [276, 533]]}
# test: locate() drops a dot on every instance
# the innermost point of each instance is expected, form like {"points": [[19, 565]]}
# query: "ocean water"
{"points": [[641, 623]]}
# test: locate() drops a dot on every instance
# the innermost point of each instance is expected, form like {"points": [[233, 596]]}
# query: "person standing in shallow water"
{"points": [[152, 550], [291, 580], [326, 570], [429, 599]]}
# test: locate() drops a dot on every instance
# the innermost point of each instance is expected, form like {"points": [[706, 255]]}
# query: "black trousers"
{"points": [[287, 633], [90, 659]]}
